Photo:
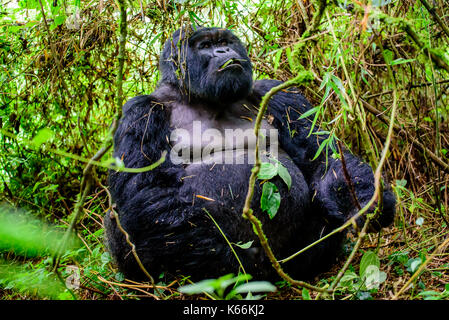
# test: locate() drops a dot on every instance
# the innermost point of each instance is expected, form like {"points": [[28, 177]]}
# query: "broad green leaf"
{"points": [[267, 171], [413, 264], [347, 277], [119, 277], [369, 259], [270, 200], [373, 277], [199, 287], [24, 278], [401, 183], [60, 20], [283, 173], [25, 235], [225, 281], [255, 286]]}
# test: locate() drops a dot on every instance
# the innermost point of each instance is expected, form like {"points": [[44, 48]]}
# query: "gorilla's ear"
{"points": [[170, 62]]}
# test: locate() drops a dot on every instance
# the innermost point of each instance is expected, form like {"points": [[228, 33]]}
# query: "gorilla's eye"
{"points": [[223, 42], [205, 45]]}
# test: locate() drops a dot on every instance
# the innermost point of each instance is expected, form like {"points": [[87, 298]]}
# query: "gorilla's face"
{"points": [[211, 65]]}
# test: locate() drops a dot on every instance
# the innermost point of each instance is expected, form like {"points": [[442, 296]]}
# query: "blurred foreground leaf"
{"points": [[25, 235], [38, 282]]}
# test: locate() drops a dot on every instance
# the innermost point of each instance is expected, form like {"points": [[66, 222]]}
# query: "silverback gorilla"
{"points": [[206, 81]]}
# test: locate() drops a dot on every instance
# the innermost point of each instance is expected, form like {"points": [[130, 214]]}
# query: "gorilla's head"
{"points": [[209, 64]]}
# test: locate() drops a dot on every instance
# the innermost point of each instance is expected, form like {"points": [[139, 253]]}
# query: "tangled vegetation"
{"points": [[376, 72]]}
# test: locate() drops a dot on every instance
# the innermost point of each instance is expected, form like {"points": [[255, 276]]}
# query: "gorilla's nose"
{"points": [[222, 50]]}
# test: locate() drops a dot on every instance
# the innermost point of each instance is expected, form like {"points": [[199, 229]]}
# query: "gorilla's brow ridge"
{"points": [[209, 34]]}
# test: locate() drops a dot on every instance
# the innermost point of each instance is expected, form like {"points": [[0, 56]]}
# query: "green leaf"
{"points": [[42, 136], [59, 20], [270, 200], [291, 63], [369, 259], [401, 183], [199, 287], [283, 173], [277, 59], [388, 56], [401, 61], [267, 171], [380, 3], [347, 278], [420, 221], [245, 245], [309, 112], [305, 294], [119, 277], [105, 258], [256, 286], [25, 235], [322, 145], [374, 277], [413, 264]]}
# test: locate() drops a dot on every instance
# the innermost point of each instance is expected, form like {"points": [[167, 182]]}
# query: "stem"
{"points": [[438, 161], [421, 268], [348, 177], [53, 50], [87, 181], [352, 255], [247, 211], [436, 17], [377, 184]]}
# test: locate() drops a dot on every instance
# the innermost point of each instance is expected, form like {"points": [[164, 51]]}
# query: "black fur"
{"points": [[168, 223]]}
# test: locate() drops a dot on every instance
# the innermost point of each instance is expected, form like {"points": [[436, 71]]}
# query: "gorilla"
{"points": [[205, 102]]}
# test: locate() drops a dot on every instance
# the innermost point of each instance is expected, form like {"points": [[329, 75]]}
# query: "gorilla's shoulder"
{"points": [[263, 86], [137, 102], [290, 97], [158, 98]]}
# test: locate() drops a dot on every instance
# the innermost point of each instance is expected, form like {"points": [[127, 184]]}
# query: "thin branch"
{"points": [[348, 177], [53, 50], [303, 12], [408, 87], [438, 161], [421, 268], [248, 212], [352, 255], [114, 214], [87, 180], [436, 17], [429, 53], [377, 185]]}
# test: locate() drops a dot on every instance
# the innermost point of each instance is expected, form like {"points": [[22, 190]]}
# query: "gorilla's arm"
{"points": [[330, 190], [140, 139]]}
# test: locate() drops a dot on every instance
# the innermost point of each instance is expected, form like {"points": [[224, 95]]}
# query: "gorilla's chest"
{"points": [[203, 134]]}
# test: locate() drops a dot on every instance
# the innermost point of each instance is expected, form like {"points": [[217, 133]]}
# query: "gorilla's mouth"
{"points": [[231, 63]]}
